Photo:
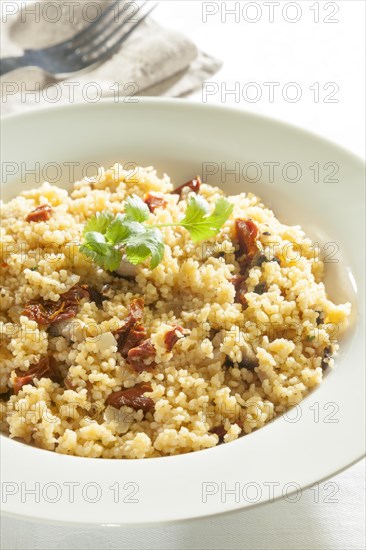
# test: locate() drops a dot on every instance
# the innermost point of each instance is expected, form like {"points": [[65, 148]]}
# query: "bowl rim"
{"points": [[237, 511], [185, 102], [222, 450]]}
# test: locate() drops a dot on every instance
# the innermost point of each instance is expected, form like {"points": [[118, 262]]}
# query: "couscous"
{"points": [[195, 342]]}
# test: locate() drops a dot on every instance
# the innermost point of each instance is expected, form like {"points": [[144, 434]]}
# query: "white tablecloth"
{"points": [[318, 58]]}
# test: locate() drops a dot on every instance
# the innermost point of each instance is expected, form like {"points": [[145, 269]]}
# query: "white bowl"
{"points": [[313, 441]]}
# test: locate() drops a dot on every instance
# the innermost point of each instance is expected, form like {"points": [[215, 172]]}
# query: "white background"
{"points": [[304, 52]]}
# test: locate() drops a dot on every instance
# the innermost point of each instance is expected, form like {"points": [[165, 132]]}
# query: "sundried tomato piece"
{"points": [[66, 312], [121, 335], [131, 339], [75, 294], [247, 234], [37, 312], [130, 334], [194, 185], [45, 368], [240, 289], [171, 337], [154, 201], [47, 312], [137, 356], [40, 214], [132, 397]]}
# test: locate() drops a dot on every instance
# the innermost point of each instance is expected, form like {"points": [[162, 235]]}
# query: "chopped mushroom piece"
{"points": [[261, 288], [62, 328], [260, 258], [95, 296], [327, 355], [45, 368], [249, 360], [132, 397], [40, 214], [192, 185], [219, 431], [320, 318], [107, 290]]}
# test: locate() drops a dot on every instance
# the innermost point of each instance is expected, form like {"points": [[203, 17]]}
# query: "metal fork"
{"points": [[91, 46]]}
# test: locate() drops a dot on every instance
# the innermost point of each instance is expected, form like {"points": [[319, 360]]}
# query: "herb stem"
{"points": [[108, 238], [160, 225]]}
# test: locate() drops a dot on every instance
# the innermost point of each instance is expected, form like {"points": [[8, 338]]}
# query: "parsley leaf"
{"points": [[200, 225], [100, 222], [105, 255], [118, 230], [108, 238], [136, 209], [141, 245]]}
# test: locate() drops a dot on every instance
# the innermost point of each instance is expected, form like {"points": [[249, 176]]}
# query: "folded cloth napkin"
{"points": [[152, 61]]}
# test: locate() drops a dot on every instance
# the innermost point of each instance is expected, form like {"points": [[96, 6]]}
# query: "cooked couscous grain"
{"points": [[217, 340]]}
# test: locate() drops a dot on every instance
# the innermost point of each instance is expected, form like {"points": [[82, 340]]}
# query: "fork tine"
{"points": [[74, 41], [105, 54], [101, 39]]}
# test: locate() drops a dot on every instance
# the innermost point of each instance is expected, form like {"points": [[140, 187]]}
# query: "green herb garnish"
{"points": [[107, 238]]}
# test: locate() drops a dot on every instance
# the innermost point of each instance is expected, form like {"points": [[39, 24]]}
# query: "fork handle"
{"points": [[8, 64]]}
